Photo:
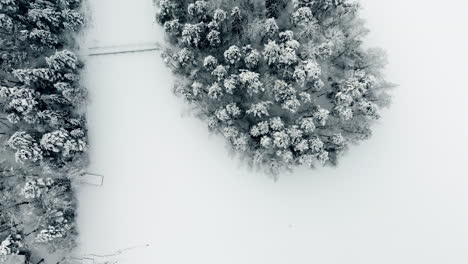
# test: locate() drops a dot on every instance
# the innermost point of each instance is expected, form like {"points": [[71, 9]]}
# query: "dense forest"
{"points": [[287, 83], [43, 127]]}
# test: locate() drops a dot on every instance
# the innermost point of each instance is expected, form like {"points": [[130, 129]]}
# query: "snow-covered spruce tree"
{"points": [[42, 125], [288, 83]]}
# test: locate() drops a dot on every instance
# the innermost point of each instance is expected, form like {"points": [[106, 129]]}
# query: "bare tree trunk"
{"points": [[5, 124], [9, 228], [32, 232], [15, 205]]}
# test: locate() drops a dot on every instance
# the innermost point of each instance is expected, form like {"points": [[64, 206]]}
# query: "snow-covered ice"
{"points": [[399, 198]]}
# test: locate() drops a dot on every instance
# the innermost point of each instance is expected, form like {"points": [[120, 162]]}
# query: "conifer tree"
{"points": [[43, 126], [303, 86]]}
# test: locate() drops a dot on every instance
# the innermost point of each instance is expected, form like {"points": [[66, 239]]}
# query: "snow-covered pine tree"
{"points": [[43, 127], [273, 8], [303, 85]]}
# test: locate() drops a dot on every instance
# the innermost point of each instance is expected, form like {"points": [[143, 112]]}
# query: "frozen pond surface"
{"points": [[398, 198]]}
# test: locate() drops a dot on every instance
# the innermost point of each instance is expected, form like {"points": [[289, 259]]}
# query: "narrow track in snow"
{"points": [[123, 49]]}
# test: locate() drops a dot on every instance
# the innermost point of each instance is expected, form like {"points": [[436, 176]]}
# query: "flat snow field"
{"points": [[399, 198]]}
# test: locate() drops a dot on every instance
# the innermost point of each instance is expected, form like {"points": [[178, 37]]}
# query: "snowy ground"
{"points": [[398, 198]]}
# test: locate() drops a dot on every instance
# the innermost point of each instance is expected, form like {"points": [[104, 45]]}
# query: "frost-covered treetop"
{"points": [[288, 83], [43, 127]]}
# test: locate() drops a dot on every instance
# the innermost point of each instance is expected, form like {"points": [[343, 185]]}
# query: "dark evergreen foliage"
{"points": [[286, 82], [43, 125]]}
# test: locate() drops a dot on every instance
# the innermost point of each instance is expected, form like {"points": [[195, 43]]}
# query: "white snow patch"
{"points": [[398, 198]]}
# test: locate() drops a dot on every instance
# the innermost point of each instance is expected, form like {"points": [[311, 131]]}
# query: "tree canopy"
{"points": [[42, 125], [287, 83]]}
